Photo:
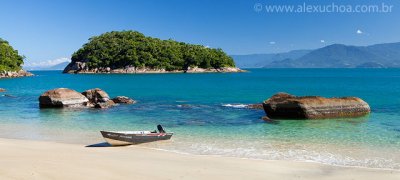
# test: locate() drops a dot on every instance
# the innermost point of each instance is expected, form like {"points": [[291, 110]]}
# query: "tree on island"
{"points": [[121, 49], [10, 60]]}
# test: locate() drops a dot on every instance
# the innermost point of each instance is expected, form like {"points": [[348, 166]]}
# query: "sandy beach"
{"points": [[26, 159]]}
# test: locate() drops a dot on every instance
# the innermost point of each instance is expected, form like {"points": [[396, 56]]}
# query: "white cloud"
{"points": [[272, 42], [359, 32], [322, 41], [48, 63]]}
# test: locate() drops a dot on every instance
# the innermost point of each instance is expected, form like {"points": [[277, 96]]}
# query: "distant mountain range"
{"points": [[261, 60], [59, 66], [332, 56]]}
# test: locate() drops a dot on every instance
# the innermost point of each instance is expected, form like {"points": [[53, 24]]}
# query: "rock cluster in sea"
{"points": [[82, 68], [92, 98], [12, 74], [123, 100], [286, 106]]}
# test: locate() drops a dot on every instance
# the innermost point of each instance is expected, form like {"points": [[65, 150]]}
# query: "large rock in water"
{"points": [[286, 106], [62, 97], [104, 105], [96, 95], [98, 98]]}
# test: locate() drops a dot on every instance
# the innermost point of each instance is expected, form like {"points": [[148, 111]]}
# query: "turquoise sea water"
{"points": [[196, 107]]}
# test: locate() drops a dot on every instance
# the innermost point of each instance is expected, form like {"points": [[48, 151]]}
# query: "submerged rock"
{"points": [[123, 100], [2, 90], [286, 106], [62, 97], [184, 106], [266, 118], [9, 95]]}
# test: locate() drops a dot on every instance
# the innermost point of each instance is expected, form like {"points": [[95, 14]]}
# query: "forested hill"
{"points": [[123, 49], [10, 60]]}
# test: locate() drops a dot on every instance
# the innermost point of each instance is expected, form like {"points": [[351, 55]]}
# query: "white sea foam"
{"points": [[235, 105], [273, 151]]}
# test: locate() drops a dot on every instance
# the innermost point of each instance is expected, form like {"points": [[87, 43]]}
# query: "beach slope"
{"points": [[25, 159]]}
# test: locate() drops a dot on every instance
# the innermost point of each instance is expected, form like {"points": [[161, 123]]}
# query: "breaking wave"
{"points": [[235, 105]]}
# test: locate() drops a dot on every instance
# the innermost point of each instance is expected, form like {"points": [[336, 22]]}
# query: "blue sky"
{"points": [[50, 31]]}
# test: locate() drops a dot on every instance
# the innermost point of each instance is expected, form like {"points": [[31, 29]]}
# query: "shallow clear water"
{"points": [[196, 107]]}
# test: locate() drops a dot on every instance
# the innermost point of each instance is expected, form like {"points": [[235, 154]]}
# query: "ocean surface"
{"points": [[208, 113]]}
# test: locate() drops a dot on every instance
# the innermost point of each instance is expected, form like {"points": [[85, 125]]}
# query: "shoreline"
{"points": [[268, 160], [156, 72], [43, 159], [78, 69], [15, 74], [101, 141]]}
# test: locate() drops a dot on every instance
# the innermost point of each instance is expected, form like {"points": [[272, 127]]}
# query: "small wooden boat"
{"points": [[120, 138]]}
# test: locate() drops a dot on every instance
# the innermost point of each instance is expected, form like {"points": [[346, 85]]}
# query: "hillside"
{"points": [[343, 56], [131, 52], [10, 60]]}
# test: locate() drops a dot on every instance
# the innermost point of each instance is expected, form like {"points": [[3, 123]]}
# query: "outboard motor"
{"points": [[160, 129]]}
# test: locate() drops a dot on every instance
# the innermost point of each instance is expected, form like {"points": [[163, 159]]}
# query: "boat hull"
{"points": [[120, 139]]}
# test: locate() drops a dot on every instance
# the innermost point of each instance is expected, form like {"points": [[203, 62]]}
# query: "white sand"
{"points": [[23, 159]]}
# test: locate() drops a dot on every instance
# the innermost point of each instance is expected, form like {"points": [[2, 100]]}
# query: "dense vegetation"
{"points": [[131, 48], [10, 60]]}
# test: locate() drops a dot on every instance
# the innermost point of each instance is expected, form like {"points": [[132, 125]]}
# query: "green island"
{"points": [[10, 61], [133, 52]]}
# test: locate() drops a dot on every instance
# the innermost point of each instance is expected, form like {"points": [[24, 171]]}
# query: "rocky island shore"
{"points": [[13, 74], [82, 68], [287, 106], [11, 62]]}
